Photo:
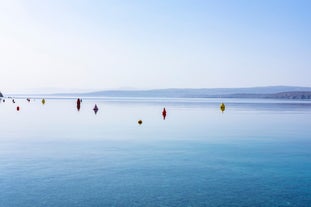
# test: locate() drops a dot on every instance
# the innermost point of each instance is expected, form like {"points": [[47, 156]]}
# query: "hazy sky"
{"points": [[88, 44]]}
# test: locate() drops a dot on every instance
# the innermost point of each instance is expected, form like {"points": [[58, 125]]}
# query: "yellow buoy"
{"points": [[140, 122], [43, 101], [222, 107]]}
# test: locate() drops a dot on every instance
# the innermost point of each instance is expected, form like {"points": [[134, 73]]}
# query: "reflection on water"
{"points": [[256, 153]]}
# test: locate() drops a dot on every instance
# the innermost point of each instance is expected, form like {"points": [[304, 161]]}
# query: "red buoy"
{"points": [[17, 108], [78, 104], [164, 113]]}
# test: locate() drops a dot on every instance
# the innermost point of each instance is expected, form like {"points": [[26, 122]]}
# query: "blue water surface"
{"points": [[256, 153]]}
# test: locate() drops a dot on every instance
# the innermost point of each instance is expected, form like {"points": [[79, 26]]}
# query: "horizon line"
{"points": [[86, 91]]}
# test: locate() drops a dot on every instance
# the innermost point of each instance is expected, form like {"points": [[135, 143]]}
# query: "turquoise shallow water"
{"points": [[256, 153]]}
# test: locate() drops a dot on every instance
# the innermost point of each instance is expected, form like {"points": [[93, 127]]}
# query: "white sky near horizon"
{"points": [[92, 45]]}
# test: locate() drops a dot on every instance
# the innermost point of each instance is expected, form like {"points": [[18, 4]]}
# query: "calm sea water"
{"points": [[256, 153]]}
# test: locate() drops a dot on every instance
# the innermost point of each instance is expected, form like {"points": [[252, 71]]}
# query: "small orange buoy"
{"points": [[17, 108], [140, 121]]}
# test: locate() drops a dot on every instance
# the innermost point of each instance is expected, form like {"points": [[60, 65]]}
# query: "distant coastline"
{"points": [[269, 92], [283, 95]]}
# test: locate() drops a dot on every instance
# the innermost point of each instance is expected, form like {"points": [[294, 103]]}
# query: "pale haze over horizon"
{"points": [[93, 45]]}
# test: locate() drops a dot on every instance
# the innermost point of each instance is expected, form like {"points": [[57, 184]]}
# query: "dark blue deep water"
{"points": [[256, 153]]}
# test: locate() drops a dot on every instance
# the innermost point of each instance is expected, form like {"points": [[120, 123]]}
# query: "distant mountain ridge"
{"points": [[286, 92]]}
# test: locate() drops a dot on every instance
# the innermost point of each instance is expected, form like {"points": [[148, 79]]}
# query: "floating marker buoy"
{"points": [[140, 121], [17, 108], [78, 104], [222, 107], [164, 113], [95, 109], [43, 101]]}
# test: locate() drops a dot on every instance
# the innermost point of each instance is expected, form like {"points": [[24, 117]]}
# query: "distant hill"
{"points": [[282, 95], [285, 92], [292, 95]]}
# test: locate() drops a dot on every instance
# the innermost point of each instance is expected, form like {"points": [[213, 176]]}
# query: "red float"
{"points": [[164, 113]]}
